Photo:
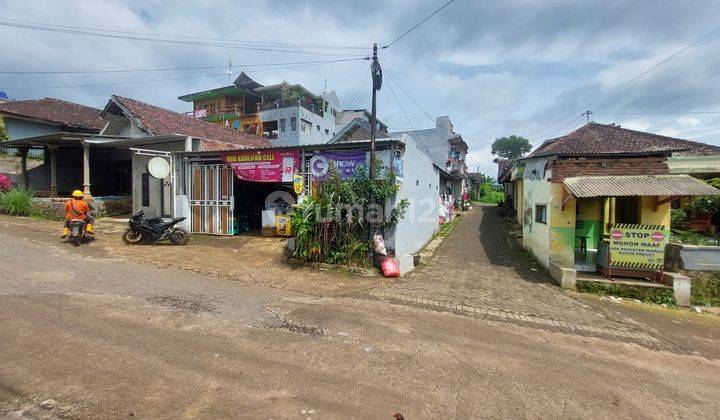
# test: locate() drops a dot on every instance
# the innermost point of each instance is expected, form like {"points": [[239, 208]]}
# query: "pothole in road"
{"points": [[302, 329], [296, 327], [183, 304]]}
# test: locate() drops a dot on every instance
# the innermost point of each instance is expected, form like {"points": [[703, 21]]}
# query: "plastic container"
{"points": [[268, 222]]}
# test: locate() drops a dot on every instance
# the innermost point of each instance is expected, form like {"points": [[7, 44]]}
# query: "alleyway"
{"points": [[477, 266]]}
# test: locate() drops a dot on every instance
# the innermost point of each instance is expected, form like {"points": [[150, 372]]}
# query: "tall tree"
{"points": [[511, 147]]}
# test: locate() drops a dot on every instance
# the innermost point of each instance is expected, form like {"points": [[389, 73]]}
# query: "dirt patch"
{"points": [[183, 304], [249, 259]]}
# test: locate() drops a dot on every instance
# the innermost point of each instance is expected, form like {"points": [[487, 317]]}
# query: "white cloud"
{"points": [[689, 121], [638, 125], [670, 132]]}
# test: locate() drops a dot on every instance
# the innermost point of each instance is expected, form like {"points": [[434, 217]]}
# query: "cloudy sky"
{"points": [[496, 68]]}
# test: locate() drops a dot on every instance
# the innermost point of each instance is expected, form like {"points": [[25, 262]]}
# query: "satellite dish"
{"points": [[159, 168]]}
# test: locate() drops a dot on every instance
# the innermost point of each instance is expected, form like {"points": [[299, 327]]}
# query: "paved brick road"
{"points": [[476, 266]]}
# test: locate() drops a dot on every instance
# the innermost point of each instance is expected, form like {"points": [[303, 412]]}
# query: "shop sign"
{"points": [[638, 246], [345, 162], [297, 184], [263, 166], [398, 169]]}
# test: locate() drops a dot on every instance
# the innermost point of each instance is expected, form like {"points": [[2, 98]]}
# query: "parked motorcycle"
{"points": [[77, 234], [154, 230]]}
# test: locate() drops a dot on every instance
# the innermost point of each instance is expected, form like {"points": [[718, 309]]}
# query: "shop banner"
{"points": [[638, 246], [263, 166], [345, 162]]}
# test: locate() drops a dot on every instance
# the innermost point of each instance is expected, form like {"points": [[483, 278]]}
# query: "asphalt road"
{"points": [[96, 337]]}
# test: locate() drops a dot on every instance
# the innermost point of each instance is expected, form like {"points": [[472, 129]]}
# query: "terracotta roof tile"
{"points": [[161, 121], [55, 111], [596, 139]]}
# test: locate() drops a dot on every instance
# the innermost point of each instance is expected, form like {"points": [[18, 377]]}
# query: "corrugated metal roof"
{"points": [[637, 185]]}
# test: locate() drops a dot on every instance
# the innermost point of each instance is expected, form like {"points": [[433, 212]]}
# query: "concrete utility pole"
{"points": [[376, 73], [377, 81]]}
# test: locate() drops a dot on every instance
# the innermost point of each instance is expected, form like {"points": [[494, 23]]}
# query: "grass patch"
{"points": [[645, 294], [17, 202], [692, 238], [447, 228], [493, 197], [705, 288]]}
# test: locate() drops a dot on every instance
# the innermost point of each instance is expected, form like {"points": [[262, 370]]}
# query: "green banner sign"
{"points": [[638, 246]]}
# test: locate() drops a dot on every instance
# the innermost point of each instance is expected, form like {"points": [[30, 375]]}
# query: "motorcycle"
{"points": [[77, 234], [154, 230]]}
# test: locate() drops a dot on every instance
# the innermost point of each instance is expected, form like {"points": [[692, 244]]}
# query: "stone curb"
{"points": [[506, 316]]}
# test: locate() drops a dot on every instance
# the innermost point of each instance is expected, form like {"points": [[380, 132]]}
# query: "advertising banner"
{"points": [[638, 246], [263, 166], [346, 162]]}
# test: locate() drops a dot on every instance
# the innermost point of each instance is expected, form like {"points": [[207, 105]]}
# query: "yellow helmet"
{"points": [[77, 194]]}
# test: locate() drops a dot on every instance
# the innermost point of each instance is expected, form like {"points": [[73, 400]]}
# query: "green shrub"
{"points": [[678, 217], [331, 227], [17, 202]]}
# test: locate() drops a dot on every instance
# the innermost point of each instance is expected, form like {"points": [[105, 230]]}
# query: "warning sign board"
{"points": [[638, 246]]}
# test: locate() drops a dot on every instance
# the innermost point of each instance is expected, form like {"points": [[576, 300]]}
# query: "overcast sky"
{"points": [[495, 67]]}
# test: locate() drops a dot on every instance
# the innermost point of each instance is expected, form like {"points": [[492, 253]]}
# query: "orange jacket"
{"points": [[76, 209]]}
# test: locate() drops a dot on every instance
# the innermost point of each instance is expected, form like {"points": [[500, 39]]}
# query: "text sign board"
{"points": [[263, 166], [346, 162], [638, 246]]}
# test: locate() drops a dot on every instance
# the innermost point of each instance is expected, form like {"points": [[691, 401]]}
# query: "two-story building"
{"points": [[448, 151], [286, 114]]}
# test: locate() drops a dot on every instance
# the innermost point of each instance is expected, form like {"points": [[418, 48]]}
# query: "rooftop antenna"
{"points": [[587, 115], [325, 86]]}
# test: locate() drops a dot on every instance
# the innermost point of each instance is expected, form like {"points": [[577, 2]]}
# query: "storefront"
{"points": [[240, 191]]}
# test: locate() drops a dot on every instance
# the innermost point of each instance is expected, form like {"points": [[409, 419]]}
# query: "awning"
{"points": [[637, 185]]}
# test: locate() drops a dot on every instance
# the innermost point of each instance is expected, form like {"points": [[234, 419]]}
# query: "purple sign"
{"points": [[345, 162]]}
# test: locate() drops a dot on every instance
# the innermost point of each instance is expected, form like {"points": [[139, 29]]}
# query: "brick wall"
{"points": [[564, 168]]}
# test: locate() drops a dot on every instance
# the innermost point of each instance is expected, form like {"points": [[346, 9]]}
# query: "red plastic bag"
{"points": [[390, 267]]}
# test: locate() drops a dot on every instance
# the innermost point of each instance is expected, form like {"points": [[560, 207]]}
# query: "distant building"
{"points": [[286, 114], [448, 151]]}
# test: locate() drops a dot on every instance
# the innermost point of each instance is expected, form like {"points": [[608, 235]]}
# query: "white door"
{"points": [[211, 199]]}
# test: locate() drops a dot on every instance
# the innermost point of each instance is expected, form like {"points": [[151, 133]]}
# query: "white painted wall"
{"points": [[420, 187], [536, 236]]}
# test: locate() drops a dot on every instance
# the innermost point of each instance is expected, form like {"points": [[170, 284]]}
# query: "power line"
{"points": [[357, 92], [116, 83], [239, 66], [255, 42], [658, 113], [633, 79], [400, 105], [398, 82], [100, 34], [572, 123], [418, 24], [148, 81]]}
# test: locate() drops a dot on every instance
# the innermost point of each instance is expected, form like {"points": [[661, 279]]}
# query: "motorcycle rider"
{"points": [[77, 208]]}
